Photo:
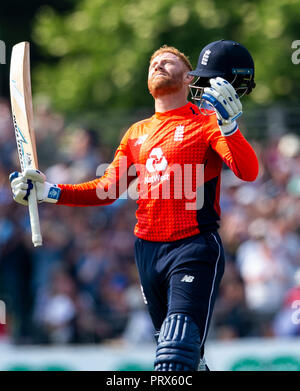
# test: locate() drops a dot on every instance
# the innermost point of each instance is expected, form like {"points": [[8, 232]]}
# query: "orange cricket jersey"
{"points": [[177, 157]]}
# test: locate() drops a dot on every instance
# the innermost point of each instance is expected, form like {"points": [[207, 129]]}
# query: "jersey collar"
{"points": [[188, 110]]}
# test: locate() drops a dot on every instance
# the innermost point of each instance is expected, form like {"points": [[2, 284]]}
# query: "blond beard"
{"points": [[160, 86]]}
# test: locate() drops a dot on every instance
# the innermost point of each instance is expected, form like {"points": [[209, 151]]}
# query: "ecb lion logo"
{"points": [[156, 161]]}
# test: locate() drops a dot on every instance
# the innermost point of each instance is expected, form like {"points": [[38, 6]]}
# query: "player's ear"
{"points": [[187, 78]]}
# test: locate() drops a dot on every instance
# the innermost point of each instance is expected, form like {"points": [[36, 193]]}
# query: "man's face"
{"points": [[166, 75]]}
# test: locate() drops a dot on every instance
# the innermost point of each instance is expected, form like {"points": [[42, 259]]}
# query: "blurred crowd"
{"points": [[82, 285]]}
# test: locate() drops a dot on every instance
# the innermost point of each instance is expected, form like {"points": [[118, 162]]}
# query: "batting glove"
{"points": [[21, 184], [226, 103]]}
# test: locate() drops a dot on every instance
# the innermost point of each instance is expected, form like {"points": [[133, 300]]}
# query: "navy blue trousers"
{"points": [[181, 277]]}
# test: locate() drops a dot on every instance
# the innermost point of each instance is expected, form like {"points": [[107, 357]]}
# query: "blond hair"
{"points": [[176, 52]]}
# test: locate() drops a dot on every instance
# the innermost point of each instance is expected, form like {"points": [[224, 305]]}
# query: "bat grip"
{"points": [[34, 218]]}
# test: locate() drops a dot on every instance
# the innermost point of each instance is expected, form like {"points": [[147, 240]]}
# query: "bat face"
{"points": [[24, 157], [21, 103], [22, 112]]}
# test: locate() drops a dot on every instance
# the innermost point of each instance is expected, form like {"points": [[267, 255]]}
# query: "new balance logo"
{"points": [[205, 57], [140, 140], [187, 278], [178, 136]]}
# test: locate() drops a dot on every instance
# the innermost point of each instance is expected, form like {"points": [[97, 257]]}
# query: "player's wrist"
{"points": [[229, 129], [45, 191], [48, 192]]}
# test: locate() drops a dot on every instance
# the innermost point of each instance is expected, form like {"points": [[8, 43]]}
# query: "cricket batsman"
{"points": [[177, 156]]}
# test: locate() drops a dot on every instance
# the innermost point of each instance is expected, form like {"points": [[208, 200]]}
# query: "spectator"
{"points": [[287, 320]]}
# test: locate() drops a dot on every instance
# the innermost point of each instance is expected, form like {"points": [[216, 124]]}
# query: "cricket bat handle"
{"points": [[34, 218]]}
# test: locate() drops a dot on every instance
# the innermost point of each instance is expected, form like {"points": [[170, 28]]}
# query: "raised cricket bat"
{"points": [[22, 111]]}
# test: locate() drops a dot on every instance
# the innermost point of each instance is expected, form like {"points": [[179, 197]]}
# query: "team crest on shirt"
{"points": [[179, 133]]}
